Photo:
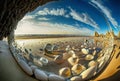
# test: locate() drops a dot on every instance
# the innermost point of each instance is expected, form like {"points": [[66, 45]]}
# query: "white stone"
{"points": [[25, 67], [76, 78], [44, 60], [37, 62], [92, 63], [40, 75], [88, 72], [89, 57], [73, 60], [85, 51], [53, 77]]}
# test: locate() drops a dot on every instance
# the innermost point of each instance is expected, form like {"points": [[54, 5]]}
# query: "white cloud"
{"points": [[83, 17], [32, 27], [55, 12], [105, 11], [43, 18]]}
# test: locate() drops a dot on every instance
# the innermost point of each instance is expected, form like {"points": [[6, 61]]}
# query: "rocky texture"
{"points": [[11, 12]]}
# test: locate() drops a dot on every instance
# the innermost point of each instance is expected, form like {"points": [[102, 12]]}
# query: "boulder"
{"points": [[25, 67], [54, 77], [40, 75]]}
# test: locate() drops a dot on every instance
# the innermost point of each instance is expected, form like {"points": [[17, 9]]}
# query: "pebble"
{"points": [[59, 59], [89, 57], [25, 67], [44, 60], [33, 67], [88, 72], [92, 63], [65, 72], [85, 51], [76, 78], [78, 68], [54, 77], [40, 75], [73, 60]]}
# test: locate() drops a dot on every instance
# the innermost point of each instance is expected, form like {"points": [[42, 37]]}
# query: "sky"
{"points": [[78, 17]]}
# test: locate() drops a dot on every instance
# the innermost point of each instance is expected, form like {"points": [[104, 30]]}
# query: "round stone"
{"points": [[76, 78], [78, 68], [65, 72], [40, 75], [89, 57], [85, 51], [92, 63], [54, 77], [44, 61]]}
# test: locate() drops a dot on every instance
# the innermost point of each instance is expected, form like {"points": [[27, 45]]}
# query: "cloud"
{"points": [[30, 26], [43, 18], [84, 18], [105, 11], [53, 11]]}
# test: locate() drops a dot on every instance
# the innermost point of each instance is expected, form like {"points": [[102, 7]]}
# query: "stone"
{"points": [[25, 67], [37, 62], [94, 52], [54, 77], [44, 60], [59, 59], [65, 72], [92, 63], [76, 78], [85, 51], [33, 67], [73, 60], [77, 68], [40, 75], [66, 56], [88, 72], [89, 57]]}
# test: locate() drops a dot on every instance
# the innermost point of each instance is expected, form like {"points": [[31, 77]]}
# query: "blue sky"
{"points": [[72, 17]]}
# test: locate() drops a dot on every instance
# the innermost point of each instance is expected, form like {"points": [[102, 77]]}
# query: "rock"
{"points": [[25, 67], [94, 52], [33, 67], [82, 46], [88, 72], [53, 77], [59, 59], [68, 48], [89, 57], [73, 60], [76, 78], [85, 51], [37, 62], [92, 63], [40, 75], [78, 68], [30, 63], [65, 72], [66, 56], [44, 61]]}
